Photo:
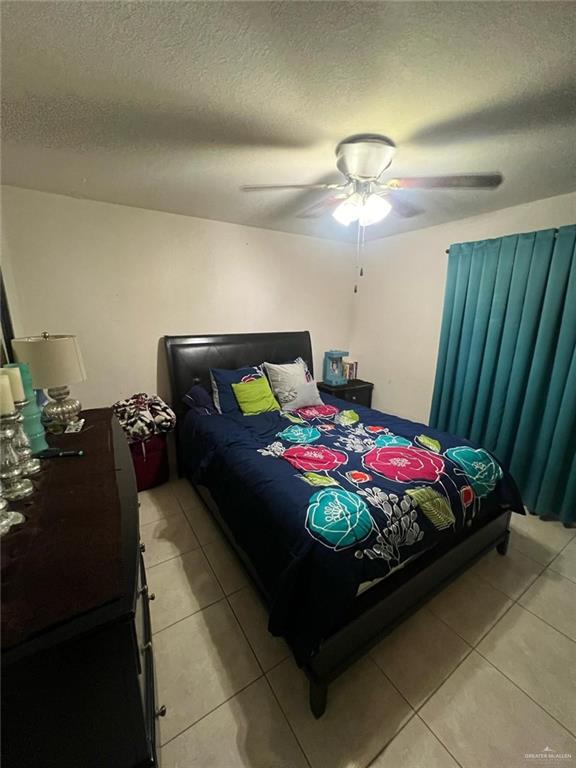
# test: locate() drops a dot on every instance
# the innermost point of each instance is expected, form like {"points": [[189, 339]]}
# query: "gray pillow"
{"points": [[285, 380], [306, 394]]}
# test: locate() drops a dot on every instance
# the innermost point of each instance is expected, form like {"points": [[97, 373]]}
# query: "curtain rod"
{"points": [[447, 251]]}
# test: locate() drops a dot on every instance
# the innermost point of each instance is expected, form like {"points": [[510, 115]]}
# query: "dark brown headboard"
{"points": [[191, 357]]}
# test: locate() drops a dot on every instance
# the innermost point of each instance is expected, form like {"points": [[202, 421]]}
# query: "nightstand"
{"points": [[354, 391]]}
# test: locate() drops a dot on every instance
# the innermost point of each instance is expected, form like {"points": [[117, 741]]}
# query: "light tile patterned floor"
{"points": [[482, 677]]}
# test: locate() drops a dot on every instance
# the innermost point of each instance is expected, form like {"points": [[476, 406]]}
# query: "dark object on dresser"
{"points": [[384, 606], [354, 391], [78, 670]]}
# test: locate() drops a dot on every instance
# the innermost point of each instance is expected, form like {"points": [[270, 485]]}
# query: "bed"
{"points": [[347, 519]]}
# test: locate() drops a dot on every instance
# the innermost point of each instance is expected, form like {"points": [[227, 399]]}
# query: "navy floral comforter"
{"points": [[326, 498]]}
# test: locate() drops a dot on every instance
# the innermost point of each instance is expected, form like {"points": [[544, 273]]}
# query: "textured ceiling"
{"points": [[173, 105]]}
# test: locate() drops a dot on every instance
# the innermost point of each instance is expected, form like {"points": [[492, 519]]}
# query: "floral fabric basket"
{"points": [[143, 416], [146, 420]]}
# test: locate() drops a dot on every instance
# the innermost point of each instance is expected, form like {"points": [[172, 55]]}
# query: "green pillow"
{"points": [[255, 396]]}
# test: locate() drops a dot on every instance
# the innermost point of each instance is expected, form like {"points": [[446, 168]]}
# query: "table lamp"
{"points": [[54, 362]]}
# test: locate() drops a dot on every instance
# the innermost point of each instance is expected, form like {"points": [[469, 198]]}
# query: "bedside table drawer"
{"points": [[357, 391], [360, 396]]}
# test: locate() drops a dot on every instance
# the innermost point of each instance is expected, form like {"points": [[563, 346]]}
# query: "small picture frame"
{"points": [[334, 367], [350, 370]]}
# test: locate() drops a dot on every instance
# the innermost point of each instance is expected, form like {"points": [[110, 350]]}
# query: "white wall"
{"points": [[123, 277], [120, 278], [398, 310]]}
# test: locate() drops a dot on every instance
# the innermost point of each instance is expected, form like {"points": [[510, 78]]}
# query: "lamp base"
{"points": [[61, 410]]}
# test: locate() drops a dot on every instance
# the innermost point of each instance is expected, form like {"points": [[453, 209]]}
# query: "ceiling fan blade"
{"points": [[73, 121], [402, 207], [458, 181], [322, 207], [280, 187], [528, 111]]}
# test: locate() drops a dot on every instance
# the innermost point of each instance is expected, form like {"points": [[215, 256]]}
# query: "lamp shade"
{"points": [[54, 361]]}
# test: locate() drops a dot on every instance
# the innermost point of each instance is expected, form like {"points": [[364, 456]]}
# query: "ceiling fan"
{"points": [[363, 196]]}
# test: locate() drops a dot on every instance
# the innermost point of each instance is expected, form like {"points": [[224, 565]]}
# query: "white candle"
{"points": [[16, 385], [6, 399]]}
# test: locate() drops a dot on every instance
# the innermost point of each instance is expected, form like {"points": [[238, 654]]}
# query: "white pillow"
{"points": [[306, 394], [285, 380]]}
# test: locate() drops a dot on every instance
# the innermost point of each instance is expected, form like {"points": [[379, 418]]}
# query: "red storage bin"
{"points": [[150, 458]]}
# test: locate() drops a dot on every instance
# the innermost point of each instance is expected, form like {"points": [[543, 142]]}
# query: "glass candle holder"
{"points": [[15, 486], [8, 517], [21, 443]]}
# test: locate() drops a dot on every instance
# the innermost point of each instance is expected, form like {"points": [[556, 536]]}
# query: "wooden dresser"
{"points": [[78, 668]]}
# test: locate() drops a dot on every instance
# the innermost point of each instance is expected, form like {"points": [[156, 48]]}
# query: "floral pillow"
{"points": [[305, 395], [285, 380]]}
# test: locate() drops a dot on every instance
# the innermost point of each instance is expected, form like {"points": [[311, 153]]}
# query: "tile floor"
{"points": [[482, 677]]}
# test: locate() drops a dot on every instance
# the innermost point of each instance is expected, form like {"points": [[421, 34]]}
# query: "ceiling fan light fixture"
{"points": [[349, 210], [364, 156], [374, 210]]}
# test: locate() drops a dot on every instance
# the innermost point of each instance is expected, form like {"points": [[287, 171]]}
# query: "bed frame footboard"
{"points": [[394, 602], [385, 605], [502, 547], [318, 697]]}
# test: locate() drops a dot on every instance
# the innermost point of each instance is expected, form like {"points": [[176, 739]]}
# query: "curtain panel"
{"points": [[506, 372]]}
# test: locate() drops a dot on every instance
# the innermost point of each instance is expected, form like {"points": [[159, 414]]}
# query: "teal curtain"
{"points": [[506, 373]]}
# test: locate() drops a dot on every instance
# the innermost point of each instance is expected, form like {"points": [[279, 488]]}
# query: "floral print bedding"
{"points": [[327, 497]]}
